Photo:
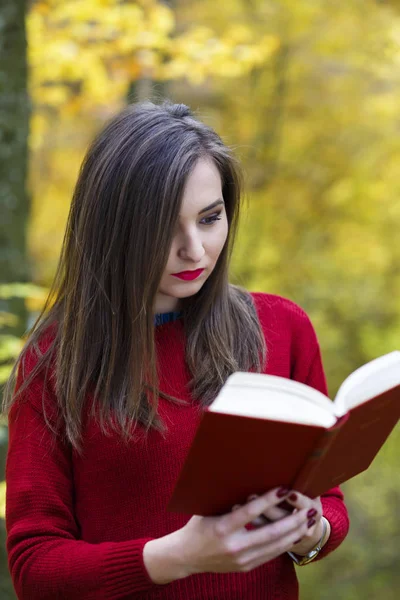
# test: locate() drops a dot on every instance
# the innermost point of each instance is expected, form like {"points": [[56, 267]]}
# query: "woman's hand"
{"points": [[315, 525], [223, 544], [298, 501]]}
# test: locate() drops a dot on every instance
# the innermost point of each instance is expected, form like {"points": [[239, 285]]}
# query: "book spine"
{"points": [[305, 476]]}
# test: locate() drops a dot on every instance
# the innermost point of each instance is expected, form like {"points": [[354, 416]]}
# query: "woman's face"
{"points": [[200, 236]]}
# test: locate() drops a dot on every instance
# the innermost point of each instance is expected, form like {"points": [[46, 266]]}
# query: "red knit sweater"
{"points": [[77, 525]]}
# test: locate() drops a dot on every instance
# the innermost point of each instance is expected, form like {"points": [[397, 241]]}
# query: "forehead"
{"points": [[203, 187]]}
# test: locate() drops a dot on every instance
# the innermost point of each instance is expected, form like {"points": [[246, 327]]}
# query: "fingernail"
{"points": [[293, 497], [311, 513], [311, 522], [297, 541], [282, 492]]}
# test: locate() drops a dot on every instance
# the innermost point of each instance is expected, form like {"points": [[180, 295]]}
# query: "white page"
{"points": [[368, 381], [274, 398]]}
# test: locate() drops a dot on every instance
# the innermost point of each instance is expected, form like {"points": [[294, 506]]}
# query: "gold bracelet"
{"points": [[313, 553]]}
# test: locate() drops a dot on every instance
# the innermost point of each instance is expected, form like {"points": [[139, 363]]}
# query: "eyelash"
{"points": [[214, 218]]}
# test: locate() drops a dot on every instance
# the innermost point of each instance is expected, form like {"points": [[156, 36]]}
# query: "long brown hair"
{"points": [[100, 307]]}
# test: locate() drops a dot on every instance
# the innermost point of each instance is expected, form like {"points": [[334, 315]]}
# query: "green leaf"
{"points": [[2, 499]]}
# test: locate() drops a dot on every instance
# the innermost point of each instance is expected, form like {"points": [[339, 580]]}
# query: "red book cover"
{"points": [[234, 456], [355, 445]]}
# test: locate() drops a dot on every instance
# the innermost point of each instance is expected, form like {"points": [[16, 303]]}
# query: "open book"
{"points": [[264, 431]]}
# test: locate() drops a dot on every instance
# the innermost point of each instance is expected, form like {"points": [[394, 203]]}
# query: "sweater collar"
{"points": [[161, 318]]}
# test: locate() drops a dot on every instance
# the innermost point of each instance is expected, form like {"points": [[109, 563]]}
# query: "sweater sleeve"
{"points": [[307, 368], [46, 557]]}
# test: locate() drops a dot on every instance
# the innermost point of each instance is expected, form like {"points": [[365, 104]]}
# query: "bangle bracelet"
{"points": [[313, 553]]}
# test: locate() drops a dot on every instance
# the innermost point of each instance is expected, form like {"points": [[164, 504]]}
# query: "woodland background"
{"points": [[308, 94]]}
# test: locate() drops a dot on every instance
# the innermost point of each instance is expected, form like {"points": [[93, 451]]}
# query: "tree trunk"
{"points": [[14, 128], [14, 202]]}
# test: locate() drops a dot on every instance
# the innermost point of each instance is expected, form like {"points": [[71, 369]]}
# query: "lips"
{"points": [[188, 275]]}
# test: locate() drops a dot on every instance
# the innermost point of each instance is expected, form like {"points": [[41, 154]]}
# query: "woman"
{"points": [[140, 331]]}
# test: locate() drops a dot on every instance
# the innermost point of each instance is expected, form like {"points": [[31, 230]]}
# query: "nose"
{"points": [[191, 247]]}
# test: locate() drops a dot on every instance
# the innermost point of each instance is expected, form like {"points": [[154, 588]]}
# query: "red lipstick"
{"points": [[188, 275]]}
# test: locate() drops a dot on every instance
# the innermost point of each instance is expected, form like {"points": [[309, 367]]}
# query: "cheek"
{"points": [[171, 262]]}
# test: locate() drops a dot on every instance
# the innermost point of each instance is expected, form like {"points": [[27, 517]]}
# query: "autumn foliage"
{"points": [[307, 94]]}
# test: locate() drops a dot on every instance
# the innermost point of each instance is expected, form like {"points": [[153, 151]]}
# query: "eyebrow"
{"points": [[213, 205]]}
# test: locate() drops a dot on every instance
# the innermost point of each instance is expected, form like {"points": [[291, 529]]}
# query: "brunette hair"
{"points": [[100, 307]]}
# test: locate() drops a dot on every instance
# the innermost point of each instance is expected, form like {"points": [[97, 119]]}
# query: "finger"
{"points": [[260, 521], [272, 514], [252, 497], [269, 545], [294, 526], [263, 554], [275, 513], [300, 501], [245, 514]]}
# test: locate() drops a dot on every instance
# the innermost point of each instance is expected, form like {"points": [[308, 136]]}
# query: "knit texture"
{"points": [[162, 318], [77, 525]]}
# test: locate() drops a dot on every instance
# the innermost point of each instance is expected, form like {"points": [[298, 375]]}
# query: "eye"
{"points": [[211, 219]]}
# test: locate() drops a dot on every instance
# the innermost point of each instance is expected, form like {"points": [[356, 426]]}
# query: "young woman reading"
{"points": [[140, 331]]}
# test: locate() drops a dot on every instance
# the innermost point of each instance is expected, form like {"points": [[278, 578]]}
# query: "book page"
{"points": [[368, 381], [274, 398]]}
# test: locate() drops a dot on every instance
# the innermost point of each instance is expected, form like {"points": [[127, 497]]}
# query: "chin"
{"points": [[180, 291], [188, 293]]}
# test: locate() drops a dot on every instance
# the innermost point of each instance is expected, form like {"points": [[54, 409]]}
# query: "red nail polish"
{"points": [[293, 497], [311, 513], [311, 522], [282, 492]]}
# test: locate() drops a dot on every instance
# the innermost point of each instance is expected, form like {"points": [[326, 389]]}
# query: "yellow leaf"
{"points": [[240, 34], [37, 130], [8, 319], [2, 499], [161, 19], [10, 347], [5, 371], [22, 290]]}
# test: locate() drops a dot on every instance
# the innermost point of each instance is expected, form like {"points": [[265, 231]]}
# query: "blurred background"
{"points": [[308, 94]]}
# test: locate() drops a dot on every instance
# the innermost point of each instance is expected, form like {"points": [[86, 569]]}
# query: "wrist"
{"points": [[303, 556], [162, 558], [320, 535], [308, 542]]}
